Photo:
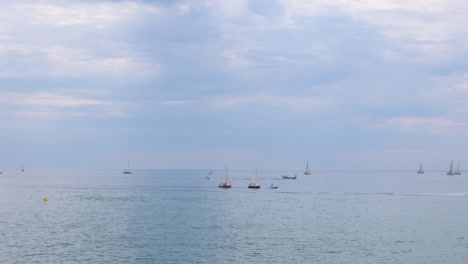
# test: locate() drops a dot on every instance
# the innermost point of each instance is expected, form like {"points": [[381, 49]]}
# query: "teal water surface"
{"points": [[177, 216]]}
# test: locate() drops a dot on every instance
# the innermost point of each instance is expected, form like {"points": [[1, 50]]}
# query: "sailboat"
{"points": [[286, 176], [307, 170], [22, 168], [458, 172], [128, 170], [254, 184], [420, 171], [450, 172], [226, 182]]}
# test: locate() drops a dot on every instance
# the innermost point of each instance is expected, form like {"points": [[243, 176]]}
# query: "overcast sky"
{"points": [[346, 84]]}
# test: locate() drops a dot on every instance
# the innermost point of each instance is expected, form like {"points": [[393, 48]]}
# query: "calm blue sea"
{"points": [[177, 216]]}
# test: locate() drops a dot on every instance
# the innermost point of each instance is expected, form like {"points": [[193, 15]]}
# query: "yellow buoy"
{"points": [[45, 199]]}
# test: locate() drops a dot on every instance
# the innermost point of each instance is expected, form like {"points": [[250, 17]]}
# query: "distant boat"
{"points": [[420, 171], [273, 187], [458, 172], [211, 172], [450, 172], [22, 168], [307, 170], [226, 182], [289, 177], [128, 170], [254, 184], [1, 172], [207, 178]]}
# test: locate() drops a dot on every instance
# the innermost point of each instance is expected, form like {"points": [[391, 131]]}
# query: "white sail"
{"points": [[128, 169], [226, 182], [226, 177], [254, 181], [450, 172], [307, 170], [420, 171]]}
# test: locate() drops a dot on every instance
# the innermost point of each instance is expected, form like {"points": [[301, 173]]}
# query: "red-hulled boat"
{"points": [[254, 184], [226, 183]]}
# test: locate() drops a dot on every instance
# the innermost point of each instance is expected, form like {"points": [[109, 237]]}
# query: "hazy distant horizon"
{"points": [[221, 170]]}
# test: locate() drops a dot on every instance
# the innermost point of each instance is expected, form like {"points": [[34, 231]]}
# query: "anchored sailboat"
{"points": [[226, 182], [307, 170], [420, 171], [128, 170], [450, 172], [254, 184], [458, 172], [286, 176], [22, 168]]}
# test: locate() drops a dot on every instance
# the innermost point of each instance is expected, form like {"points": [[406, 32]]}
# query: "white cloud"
{"points": [[56, 100], [462, 84], [56, 105], [427, 125], [94, 14], [70, 62], [63, 16], [252, 101], [237, 59], [71, 39], [295, 103], [184, 8], [64, 61], [425, 27]]}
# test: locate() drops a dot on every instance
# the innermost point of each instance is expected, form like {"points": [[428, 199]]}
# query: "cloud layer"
{"points": [[335, 82]]}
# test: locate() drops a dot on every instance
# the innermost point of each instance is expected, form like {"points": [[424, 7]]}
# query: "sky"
{"points": [[346, 84]]}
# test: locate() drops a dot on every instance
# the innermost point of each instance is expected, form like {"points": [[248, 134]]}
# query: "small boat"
{"points": [[289, 177], [226, 182], [307, 170], [273, 187], [128, 170], [450, 172], [254, 184], [211, 172], [207, 178], [22, 168], [458, 172], [420, 171]]}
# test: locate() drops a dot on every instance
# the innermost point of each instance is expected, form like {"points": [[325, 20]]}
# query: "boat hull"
{"points": [[288, 177], [254, 186], [224, 186]]}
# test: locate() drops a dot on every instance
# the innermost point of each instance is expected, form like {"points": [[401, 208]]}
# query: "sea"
{"points": [[179, 216]]}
